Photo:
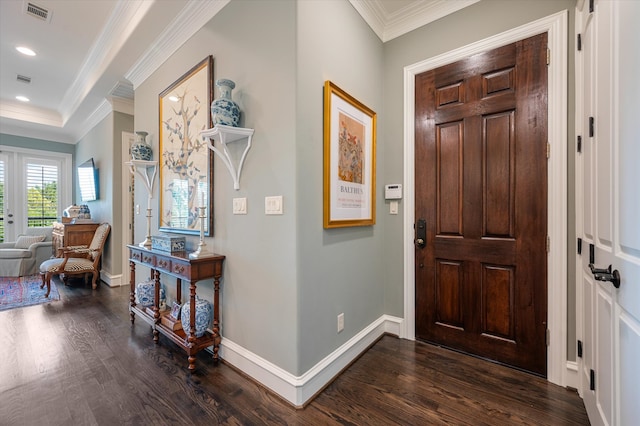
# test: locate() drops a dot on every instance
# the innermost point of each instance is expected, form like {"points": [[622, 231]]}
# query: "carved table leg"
{"points": [[132, 289], [191, 336], [156, 304], [216, 322]]}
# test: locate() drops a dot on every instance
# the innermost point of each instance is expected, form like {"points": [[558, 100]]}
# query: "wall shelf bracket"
{"points": [[147, 170], [226, 135]]}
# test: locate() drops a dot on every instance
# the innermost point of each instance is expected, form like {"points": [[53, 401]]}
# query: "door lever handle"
{"points": [[606, 275]]}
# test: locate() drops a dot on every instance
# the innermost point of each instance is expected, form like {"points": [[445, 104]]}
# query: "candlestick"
{"points": [[202, 246]]}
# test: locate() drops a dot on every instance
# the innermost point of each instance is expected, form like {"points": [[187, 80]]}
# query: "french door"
{"points": [[34, 187], [608, 209]]}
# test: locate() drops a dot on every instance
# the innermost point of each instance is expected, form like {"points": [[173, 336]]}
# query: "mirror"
{"points": [[88, 181]]}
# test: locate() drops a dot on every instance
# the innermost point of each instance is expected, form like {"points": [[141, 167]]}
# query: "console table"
{"points": [[178, 265]]}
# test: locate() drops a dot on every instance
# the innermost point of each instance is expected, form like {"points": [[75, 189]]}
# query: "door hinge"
{"points": [[579, 42], [548, 244], [548, 337], [592, 126], [592, 253], [591, 6], [548, 150], [579, 245], [548, 56], [579, 143], [592, 380], [579, 348]]}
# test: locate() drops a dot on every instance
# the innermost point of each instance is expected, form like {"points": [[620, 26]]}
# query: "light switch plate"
{"points": [[273, 205], [393, 207], [239, 206]]}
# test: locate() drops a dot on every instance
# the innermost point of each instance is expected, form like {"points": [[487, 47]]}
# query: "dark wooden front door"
{"points": [[481, 189]]}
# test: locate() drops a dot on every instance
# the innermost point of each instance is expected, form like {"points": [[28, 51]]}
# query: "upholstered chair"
{"points": [[77, 260], [23, 256]]}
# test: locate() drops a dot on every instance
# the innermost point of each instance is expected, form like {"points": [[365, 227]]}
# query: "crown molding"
{"points": [[388, 26], [122, 22], [190, 20], [373, 14], [32, 114], [99, 114], [122, 105]]}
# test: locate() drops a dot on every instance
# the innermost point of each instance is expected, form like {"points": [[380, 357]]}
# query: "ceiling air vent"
{"points": [[23, 79], [36, 11]]}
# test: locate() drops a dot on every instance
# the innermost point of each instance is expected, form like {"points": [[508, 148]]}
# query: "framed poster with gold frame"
{"points": [[186, 162], [349, 160]]}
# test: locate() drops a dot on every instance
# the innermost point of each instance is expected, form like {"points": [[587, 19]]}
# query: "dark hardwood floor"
{"points": [[79, 361]]}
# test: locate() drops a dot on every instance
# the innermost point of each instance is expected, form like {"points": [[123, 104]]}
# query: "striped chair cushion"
{"points": [[73, 265], [98, 239]]}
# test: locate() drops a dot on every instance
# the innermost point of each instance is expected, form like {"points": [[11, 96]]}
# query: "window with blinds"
{"points": [[42, 194]]}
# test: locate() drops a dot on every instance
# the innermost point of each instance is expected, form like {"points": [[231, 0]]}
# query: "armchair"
{"points": [[77, 260], [22, 257]]}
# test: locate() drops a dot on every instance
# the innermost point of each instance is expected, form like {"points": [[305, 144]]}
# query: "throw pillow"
{"points": [[24, 241]]}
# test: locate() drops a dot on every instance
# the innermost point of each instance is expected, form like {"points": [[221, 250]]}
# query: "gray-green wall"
{"points": [[103, 144], [252, 43], [339, 270], [38, 144]]}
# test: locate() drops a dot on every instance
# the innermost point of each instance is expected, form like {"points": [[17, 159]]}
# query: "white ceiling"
{"points": [[92, 54]]}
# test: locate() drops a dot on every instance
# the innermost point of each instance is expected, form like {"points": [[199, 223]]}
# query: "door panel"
{"points": [[481, 187], [607, 206]]}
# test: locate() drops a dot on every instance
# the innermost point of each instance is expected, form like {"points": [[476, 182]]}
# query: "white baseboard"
{"points": [[111, 280], [299, 389], [571, 376]]}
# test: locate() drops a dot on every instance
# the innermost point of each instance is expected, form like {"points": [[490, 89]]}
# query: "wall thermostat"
{"points": [[393, 191]]}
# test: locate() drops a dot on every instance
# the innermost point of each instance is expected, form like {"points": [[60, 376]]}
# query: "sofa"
{"points": [[24, 256]]}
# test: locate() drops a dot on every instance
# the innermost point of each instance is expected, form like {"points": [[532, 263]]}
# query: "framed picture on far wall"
{"points": [[186, 162], [349, 160]]}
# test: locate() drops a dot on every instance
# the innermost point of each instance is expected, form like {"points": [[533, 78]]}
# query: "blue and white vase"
{"points": [[141, 150], [204, 313], [224, 110], [145, 293]]}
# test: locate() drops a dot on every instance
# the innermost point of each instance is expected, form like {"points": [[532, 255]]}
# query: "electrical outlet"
{"points": [[340, 322]]}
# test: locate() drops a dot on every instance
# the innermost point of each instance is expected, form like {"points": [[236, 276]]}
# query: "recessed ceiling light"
{"points": [[22, 98], [25, 51]]}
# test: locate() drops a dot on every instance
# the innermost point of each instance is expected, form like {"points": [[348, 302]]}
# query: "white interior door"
{"points": [[127, 203], [608, 209]]}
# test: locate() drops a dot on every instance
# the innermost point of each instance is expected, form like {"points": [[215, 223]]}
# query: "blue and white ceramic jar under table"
{"points": [[204, 312]]}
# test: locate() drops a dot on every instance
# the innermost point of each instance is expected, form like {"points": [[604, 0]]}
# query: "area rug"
{"points": [[16, 292]]}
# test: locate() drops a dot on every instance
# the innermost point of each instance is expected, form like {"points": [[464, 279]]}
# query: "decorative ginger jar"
{"points": [[145, 293], [204, 312], [84, 212], [72, 211], [224, 110], [141, 150]]}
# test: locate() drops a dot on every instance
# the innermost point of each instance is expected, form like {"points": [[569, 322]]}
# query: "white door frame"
{"points": [[558, 370], [127, 215]]}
